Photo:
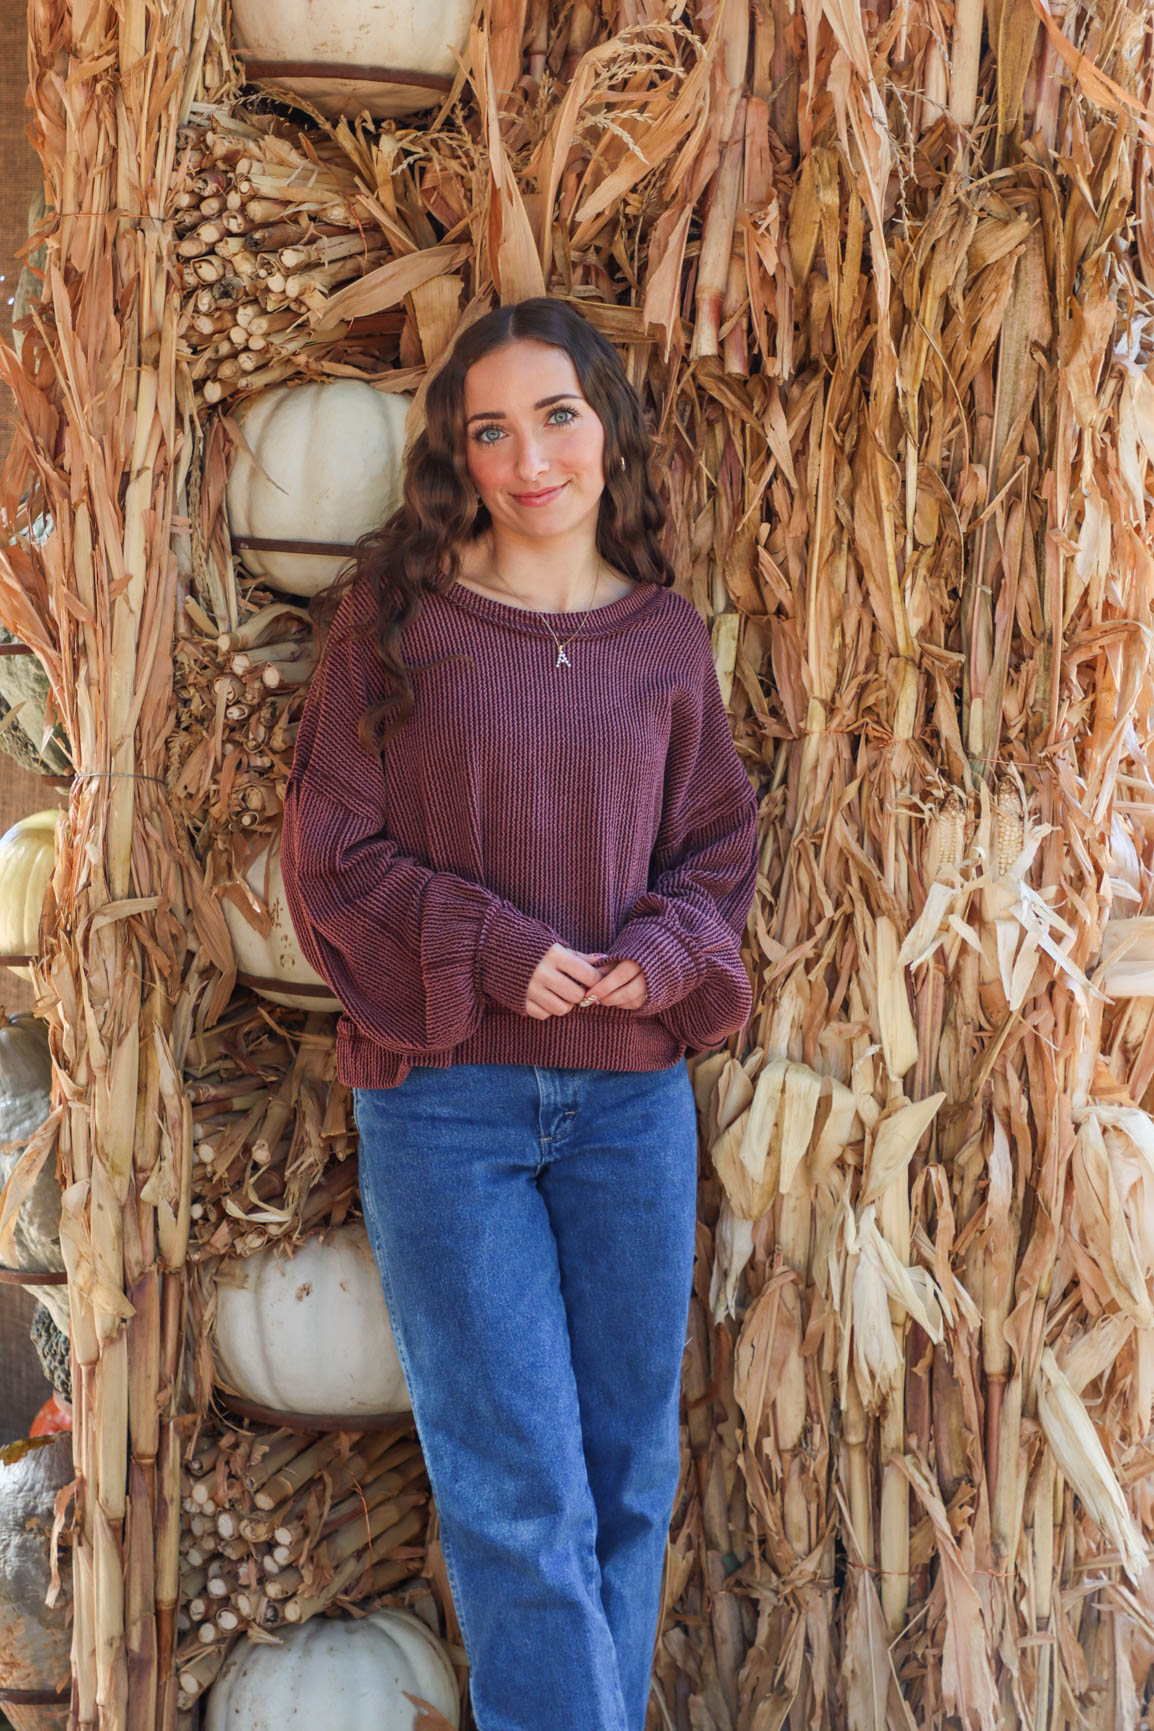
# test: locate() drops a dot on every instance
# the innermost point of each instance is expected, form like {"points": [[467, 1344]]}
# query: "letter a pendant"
{"points": [[562, 658]]}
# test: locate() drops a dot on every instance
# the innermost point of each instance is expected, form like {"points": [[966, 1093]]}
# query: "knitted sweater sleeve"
{"points": [[685, 932], [410, 952]]}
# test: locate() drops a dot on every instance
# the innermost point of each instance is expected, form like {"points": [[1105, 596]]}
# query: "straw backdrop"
{"points": [[883, 280]]}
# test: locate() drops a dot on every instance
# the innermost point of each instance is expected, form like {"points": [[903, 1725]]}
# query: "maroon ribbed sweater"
{"points": [[602, 805]]}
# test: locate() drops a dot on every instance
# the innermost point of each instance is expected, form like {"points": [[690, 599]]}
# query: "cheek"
{"points": [[587, 450], [484, 463]]}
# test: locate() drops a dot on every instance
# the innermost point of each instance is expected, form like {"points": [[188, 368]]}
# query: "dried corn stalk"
{"points": [[277, 1526], [272, 1131]]}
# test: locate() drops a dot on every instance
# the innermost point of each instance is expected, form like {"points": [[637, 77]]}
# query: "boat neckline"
{"points": [[603, 618]]}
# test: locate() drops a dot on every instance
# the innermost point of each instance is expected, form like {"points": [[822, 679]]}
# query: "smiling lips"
{"points": [[538, 498]]}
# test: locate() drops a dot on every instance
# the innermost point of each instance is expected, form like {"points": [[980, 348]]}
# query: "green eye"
{"points": [[481, 434]]}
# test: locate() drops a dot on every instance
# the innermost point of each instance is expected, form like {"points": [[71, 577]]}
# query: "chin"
{"points": [[560, 515]]}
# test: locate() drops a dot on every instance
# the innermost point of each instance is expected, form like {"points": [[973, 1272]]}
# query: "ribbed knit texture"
{"points": [[601, 805]]}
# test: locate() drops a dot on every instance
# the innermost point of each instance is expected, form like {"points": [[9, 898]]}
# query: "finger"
{"points": [[627, 998], [576, 966], [617, 977], [561, 986], [579, 978]]}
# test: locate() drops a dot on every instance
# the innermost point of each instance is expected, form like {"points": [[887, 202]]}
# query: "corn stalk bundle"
{"points": [[882, 278], [239, 694], [268, 230], [278, 1526], [119, 984], [933, 1230], [272, 1130]]}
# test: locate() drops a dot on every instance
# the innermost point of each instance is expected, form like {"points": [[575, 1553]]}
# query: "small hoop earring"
{"points": [[621, 462]]}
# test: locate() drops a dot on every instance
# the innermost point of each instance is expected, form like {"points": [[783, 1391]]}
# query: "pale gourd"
{"points": [[276, 956], [309, 1333], [358, 38], [35, 1639], [339, 1674], [323, 463], [27, 856], [25, 1101]]}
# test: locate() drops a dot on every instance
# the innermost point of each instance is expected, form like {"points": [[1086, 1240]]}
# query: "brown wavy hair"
{"points": [[419, 549]]}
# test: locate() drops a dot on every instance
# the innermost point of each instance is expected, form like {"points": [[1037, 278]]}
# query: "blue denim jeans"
{"points": [[534, 1229]]}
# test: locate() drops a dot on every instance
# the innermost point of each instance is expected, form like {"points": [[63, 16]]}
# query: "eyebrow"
{"points": [[545, 403]]}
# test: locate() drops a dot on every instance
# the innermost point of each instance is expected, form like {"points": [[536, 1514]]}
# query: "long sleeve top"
{"points": [[601, 805]]}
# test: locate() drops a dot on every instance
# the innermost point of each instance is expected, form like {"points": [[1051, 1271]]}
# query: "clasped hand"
{"points": [[563, 977]]}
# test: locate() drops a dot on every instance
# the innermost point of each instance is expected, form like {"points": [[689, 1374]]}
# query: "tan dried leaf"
{"points": [[894, 1142], [899, 1036], [1084, 1463]]}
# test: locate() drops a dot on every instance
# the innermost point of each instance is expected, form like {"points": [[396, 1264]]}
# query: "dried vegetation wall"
{"points": [[882, 275]]}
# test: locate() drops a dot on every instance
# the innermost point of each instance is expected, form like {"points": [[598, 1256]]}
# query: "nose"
{"points": [[531, 460]]}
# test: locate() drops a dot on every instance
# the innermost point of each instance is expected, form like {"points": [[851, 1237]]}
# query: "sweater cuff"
{"points": [[671, 971], [511, 946]]}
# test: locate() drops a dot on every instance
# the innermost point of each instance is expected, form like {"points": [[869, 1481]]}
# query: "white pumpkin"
{"points": [[27, 856], [400, 35], [339, 1673], [324, 463], [277, 956], [309, 1333], [25, 1101]]}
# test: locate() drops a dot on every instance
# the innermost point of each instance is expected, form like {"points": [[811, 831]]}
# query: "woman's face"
{"points": [[535, 446]]}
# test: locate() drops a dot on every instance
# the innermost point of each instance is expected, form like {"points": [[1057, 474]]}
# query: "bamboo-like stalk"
{"points": [[308, 1604], [358, 1499], [296, 1473], [717, 244], [965, 63]]}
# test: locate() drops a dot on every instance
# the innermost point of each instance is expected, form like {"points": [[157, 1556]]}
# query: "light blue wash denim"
{"points": [[534, 1228]]}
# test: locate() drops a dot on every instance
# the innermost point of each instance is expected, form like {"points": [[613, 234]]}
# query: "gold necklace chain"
{"points": [[562, 659]]}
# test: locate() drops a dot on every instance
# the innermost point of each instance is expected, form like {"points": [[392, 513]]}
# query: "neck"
{"points": [[554, 576]]}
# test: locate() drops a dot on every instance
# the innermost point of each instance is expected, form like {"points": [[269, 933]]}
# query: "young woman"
{"points": [[521, 847]]}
